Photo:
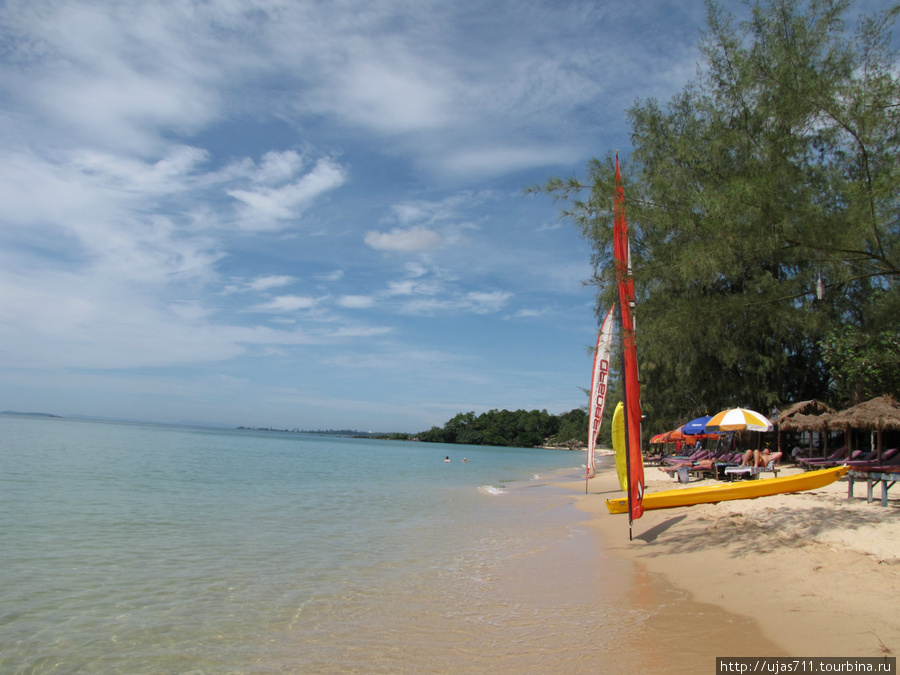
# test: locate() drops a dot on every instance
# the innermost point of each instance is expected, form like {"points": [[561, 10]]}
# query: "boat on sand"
{"points": [[746, 489]]}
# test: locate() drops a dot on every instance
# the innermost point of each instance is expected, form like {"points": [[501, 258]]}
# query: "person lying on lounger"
{"points": [[764, 458], [700, 464]]}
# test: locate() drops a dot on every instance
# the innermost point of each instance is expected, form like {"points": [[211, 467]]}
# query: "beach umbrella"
{"points": [[696, 426], [673, 436], [739, 419]]}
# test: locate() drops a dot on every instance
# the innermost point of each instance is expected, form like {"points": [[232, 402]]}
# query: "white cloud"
{"points": [[113, 74], [500, 159], [485, 303], [415, 269], [413, 239], [474, 303], [336, 275], [277, 167], [392, 92], [529, 313], [412, 287], [287, 303], [356, 301], [266, 208], [269, 282], [361, 331]]}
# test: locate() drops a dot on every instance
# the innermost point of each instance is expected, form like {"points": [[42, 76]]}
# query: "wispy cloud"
{"points": [[286, 303], [474, 302], [241, 185], [356, 301], [413, 239], [268, 208]]}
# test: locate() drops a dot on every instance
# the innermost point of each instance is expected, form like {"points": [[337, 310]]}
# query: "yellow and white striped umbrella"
{"points": [[739, 419]]}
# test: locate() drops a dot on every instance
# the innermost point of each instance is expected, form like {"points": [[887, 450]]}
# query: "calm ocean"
{"points": [[128, 548]]}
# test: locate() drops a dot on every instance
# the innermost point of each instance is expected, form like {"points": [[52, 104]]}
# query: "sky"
{"points": [[304, 214]]}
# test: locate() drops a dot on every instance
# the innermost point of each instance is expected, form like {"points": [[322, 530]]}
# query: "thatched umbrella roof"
{"points": [[879, 413], [809, 408], [804, 416], [800, 422]]}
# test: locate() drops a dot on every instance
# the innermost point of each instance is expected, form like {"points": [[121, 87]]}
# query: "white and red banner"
{"points": [[599, 386]]}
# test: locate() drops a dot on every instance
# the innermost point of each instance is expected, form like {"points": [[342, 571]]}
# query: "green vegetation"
{"points": [[763, 203], [519, 429]]}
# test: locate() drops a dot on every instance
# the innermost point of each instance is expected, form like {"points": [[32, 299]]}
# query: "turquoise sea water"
{"points": [[128, 548]]}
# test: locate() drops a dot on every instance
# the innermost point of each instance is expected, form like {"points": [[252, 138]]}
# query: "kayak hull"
{"points": [[751, 489]]}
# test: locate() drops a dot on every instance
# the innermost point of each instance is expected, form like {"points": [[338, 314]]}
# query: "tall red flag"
{"points": [[632, 388]]}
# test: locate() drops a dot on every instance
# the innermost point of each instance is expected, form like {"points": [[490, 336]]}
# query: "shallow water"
{"points": [[129, 548], [138, 548]]}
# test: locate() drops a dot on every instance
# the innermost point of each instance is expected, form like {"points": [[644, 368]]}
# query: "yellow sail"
{"points": [[618, 443]]}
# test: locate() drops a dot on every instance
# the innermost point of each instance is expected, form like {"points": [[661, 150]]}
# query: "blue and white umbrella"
{"points": [[697, 426]]}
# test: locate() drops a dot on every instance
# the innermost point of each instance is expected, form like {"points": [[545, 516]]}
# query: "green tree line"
{"points": [[519, 429], [763, 202]]}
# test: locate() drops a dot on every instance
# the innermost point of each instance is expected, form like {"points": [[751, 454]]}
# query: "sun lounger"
{"points": [[815, 462], [869, 460], [746, 472], [704, 471], [892, 461], [749, 472], [857, 457], [695, 456]]}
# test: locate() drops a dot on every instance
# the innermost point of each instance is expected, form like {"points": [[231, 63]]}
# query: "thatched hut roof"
{"points": [[811, 408], [800, 422], [879, 413]]}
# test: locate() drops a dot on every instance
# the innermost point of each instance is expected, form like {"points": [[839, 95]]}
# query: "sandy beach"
{"points": [[815, 574]]}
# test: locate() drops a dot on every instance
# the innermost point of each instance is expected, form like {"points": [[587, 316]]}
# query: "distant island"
{"points": [[517, 429], [504, 428], [346, 433]]}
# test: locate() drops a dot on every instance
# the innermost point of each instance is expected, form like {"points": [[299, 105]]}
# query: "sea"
{"points": [[139, 548]]}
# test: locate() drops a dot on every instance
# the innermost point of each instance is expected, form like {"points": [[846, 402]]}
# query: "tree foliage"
{"points": [[519, 429], [863, 365], [763, 207]]}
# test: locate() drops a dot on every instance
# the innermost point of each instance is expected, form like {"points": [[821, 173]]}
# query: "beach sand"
{"points": [[813, 574]]}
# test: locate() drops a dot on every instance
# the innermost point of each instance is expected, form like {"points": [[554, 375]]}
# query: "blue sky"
{"points": [[308, 214]]}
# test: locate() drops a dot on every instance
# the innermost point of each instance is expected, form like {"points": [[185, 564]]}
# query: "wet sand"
{"points": [[804, 575]]}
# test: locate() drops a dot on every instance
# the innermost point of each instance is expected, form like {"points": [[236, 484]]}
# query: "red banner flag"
{"points": [[632, 388]]}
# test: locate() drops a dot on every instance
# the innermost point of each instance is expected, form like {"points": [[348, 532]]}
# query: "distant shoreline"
{"points": [[30, 414]]}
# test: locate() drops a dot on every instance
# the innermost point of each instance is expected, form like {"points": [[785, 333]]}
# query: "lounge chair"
{"points": [[749, 471], [813, 462], [856, 457], [705, 471], [889, 458], [726, 460], [693, 457]]}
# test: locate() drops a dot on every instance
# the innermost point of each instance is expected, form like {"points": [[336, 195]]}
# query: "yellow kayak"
{"points": [[745, 489]]}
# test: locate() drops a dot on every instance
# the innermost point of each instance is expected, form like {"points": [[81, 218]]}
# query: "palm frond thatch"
{"points": [[809, 408], [878, 413], [800, 422]]}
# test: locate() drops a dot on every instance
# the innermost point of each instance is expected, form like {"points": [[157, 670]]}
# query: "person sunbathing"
{"points": [[763, 459], [700, 464]]}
